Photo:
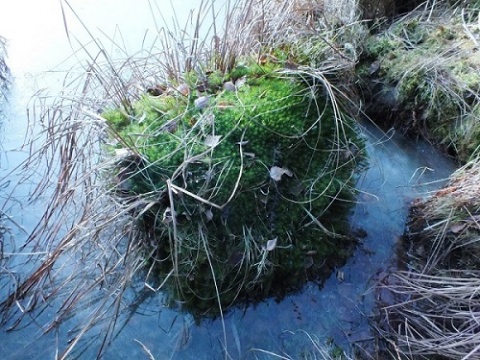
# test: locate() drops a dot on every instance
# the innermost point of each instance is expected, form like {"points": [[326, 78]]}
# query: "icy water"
{"points": [[336, 311]]}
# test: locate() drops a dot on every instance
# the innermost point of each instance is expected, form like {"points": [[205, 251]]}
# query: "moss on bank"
{"points": [[422, 76], [245, 176]]}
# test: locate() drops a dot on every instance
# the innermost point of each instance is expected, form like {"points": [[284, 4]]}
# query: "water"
{"points": [[336, 310]]}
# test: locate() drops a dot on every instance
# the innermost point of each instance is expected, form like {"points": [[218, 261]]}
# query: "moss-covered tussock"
{"points": [[422, 73], [241, 172]]}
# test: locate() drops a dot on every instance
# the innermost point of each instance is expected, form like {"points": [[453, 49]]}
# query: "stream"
{"points": [[336, 311]]}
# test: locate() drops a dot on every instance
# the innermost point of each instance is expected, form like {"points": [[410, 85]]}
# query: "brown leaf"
{"points": [[183, 89]]}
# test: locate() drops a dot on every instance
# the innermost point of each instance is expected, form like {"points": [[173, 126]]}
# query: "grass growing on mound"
{"points": [[427, 65], [240, 181]]}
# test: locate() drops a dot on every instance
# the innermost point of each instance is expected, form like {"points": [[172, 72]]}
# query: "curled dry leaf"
{"points": [[183, 89], [276, 173], [202, 102], [271, 244], [457, 227], [229, 86], [212, 140]]}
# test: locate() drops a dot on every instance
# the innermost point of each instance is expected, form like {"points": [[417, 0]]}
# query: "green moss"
{"points": [[434, 68], [239, 72], [117, 118], [223, 154], [380, 45]]}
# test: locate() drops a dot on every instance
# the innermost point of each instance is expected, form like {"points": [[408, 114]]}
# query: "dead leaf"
{"points": [[229, 86], [271, 244], [276, 173], [458, 227], [202, 102], [209, 214], [183, 89], [212, 140], [222, 105]]}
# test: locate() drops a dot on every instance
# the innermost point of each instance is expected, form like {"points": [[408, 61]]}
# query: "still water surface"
{"points": [[39, 54]]}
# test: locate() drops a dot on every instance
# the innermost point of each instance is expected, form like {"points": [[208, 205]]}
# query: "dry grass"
{"points": [[85, 252], [3, 68], [436, 306]]}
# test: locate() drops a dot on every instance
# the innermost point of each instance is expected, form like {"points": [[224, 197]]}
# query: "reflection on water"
{"points": [[399, 171], [337, 310]]}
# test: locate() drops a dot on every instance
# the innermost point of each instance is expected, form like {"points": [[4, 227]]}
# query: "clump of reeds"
{"points": [[86, 251], [436, 302], [422, 75], [3, 67]]}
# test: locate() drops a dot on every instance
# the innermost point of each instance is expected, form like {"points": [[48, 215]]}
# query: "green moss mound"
{"points": [[242, 181]]}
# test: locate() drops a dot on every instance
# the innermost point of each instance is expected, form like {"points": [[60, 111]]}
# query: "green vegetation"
{"points": [[241, 181], [427, 63]]}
